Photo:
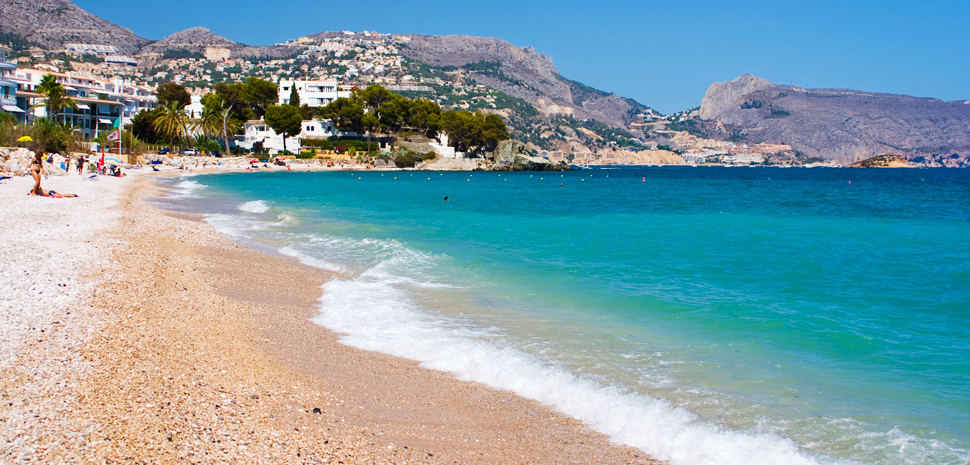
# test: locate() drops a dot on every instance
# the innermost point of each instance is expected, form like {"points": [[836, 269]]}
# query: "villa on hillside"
{"points": [[313, 93], [258, 136]]}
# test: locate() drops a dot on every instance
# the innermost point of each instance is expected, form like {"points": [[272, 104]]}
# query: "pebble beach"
{"points": [[136, 335]]}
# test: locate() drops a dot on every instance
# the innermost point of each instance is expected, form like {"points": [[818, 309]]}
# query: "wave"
{"points": [[256, 206], [186, 189]]}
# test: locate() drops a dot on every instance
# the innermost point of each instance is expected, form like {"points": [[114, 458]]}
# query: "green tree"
{"points": [[294, 97], [493, 132], [54, 98], [172, 121], [285, 120], [373, 96], [346, 114], [172, 92], [473, 131], [143, 126], [261, 94]]}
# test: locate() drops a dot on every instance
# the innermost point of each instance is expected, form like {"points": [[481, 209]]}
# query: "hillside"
{"points": [[842, 125], [53, 23], [198, 39], [522, 73]]}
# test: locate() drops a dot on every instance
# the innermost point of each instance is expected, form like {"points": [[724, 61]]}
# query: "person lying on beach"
{"points": [[53, 194]]}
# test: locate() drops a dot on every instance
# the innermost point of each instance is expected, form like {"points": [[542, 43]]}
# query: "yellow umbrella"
{"points": [[25, 139]]}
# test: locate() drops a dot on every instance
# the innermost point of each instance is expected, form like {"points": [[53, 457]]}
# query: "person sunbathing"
{"points": [[53, 194]]}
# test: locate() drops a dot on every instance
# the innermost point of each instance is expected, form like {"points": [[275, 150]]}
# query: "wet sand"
{"points": [[203, 352]]}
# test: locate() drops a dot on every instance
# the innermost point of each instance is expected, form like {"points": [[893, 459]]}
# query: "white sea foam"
{"points": [[287, 220], [377, 314], [256, 206], [186, 189], [235, 225], [310, 260]]}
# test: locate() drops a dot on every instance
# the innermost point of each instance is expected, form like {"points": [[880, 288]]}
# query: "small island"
{"points": [[883, 161]]}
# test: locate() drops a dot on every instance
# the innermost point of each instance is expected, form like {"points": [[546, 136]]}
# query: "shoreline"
{"points": [[196, 358]]}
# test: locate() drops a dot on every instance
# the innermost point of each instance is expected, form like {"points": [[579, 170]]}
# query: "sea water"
{"points": [[703, 315]]}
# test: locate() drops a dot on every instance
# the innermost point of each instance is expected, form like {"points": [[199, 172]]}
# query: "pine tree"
{"points": [[294, 97]]}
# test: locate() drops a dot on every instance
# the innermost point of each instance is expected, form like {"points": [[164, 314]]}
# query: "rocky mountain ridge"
{"points": [[842, 125], [53, 23], [523, 73]]}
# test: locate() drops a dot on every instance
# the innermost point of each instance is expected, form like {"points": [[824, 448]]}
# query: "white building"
{"points": [[443, 149], [258, 136], [313, 93]]}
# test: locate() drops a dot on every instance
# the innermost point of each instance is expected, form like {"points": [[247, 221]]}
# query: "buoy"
{"points": [[644, 179], [395, 177], [850, 182]]}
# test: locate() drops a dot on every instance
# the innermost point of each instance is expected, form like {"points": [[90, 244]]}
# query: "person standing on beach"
{"points": [[37, 170], [80, 165]]}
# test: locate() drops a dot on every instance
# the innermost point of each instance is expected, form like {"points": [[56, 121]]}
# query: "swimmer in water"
{"points": [[446, 198]]}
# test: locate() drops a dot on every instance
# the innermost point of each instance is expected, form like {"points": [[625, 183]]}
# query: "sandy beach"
{"points": [[137, 335]]}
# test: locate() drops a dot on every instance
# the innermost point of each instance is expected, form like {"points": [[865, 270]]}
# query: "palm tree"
{"points": [[53, 92], [229, 125], [172, 121], [208, 122]]}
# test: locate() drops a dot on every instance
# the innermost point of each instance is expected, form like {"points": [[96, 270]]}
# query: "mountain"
{"points": [[522, 73], [53, 23], [842, 125], [198, 39]]}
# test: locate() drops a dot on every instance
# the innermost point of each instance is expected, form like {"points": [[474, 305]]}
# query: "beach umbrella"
{"points": [[25, 139], [112, 161]]}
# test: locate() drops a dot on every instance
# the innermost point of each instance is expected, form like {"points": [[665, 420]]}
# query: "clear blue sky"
{"points": [[663, 54]]}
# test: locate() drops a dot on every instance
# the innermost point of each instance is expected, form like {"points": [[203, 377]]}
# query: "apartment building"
{"points": [[8, 88], [99, 101], [312, 93]]}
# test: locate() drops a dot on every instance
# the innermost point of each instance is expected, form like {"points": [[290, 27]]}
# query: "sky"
{"points": [[664, 54]]}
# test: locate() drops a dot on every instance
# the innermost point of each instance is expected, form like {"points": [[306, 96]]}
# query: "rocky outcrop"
{"points": [[882, 161], [841, 125], [516, 156], [53, 23], [723, 97]]}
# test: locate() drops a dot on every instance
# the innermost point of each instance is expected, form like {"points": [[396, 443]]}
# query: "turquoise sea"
{"points": [[704, 315]]}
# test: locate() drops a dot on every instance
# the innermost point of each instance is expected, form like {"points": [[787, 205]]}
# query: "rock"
{"points": [[515, 155]]}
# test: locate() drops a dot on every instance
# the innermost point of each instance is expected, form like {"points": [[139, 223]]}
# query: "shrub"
{"points": [[405, 160]]}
